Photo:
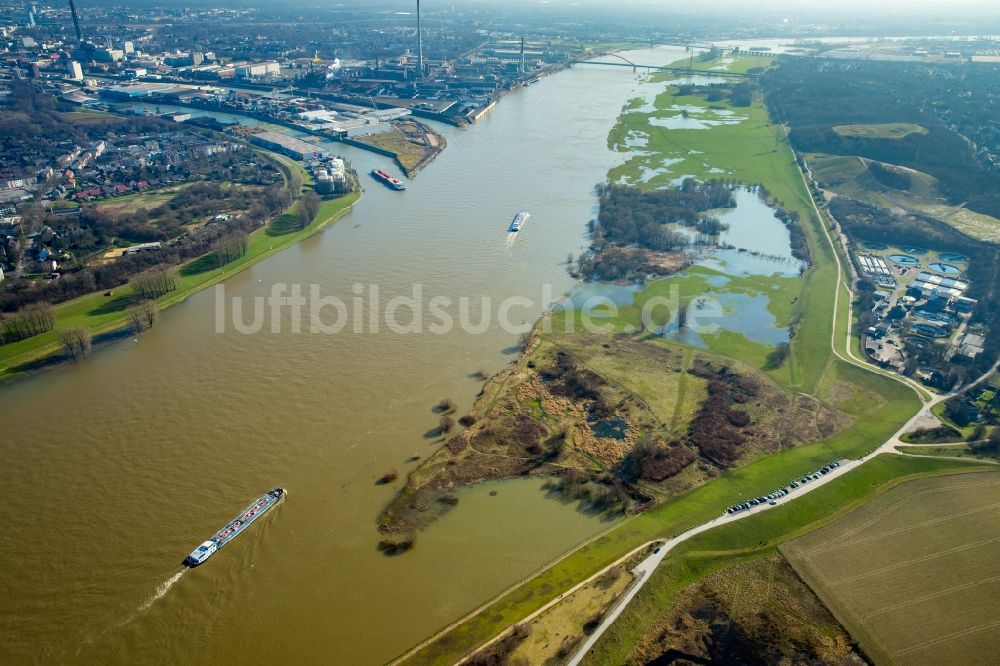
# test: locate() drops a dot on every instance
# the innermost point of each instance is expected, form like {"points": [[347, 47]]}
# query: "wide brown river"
{"points": [[113, 468]]}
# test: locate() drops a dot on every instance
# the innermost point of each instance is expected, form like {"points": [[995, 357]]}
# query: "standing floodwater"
{"points": [[114, 467]]}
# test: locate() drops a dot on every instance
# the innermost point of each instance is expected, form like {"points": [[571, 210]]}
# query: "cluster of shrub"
{"points": [[602, 493], [565, 377], [653, 460], [515, 431], [897, 179], [718, 429], [397, 544], [796, 236], [499, 652], [989, 446]]}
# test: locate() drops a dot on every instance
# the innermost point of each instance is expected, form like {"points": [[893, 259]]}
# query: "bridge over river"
{"points": [[625, 62]]}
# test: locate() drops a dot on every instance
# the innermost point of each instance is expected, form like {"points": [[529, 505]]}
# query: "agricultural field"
{"points": [[912, 575], [880, 131]]}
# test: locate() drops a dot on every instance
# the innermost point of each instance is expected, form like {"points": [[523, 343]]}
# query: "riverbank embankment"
{"points": [[106, 317]]}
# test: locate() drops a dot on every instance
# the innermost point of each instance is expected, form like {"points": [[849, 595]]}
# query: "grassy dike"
{"points": [[754, 151], [104, 314]]}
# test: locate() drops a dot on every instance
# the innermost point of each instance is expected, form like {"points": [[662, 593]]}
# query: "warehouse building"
{"points": [[289, 145]]}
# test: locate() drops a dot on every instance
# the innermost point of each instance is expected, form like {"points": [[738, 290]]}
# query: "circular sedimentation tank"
{"points": [[903, 259], [948, 269]]}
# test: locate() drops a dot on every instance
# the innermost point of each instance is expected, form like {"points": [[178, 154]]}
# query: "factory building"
{"points": [[288, 145], [254, 70], [74, 71]]}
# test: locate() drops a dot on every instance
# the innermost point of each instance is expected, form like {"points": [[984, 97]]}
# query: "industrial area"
{"points": [[456, 88], [920, 302]]}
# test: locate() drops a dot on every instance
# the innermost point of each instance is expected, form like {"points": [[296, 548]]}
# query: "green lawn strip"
{"points": [[957, 450], [106, 313], [682, 389], [673, 517], [880, 131], [755, 537]]}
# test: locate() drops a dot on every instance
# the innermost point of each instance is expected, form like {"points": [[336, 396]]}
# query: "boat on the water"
{"points": [[518, 222], [234, 527], [383, 177]]}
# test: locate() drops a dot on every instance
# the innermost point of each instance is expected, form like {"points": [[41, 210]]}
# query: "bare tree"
{"points": [[682, 316], [143, 315], [308, 208], [76, 340], [232, 247], [446, 424], [660, 317], [155, 282], [446, 406], [28, 321]]}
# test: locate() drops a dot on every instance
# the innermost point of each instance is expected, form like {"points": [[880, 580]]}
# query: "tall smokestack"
{"points": [[420, 45], [76, 21]]}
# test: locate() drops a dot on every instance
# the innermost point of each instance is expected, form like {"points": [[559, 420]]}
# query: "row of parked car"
{"points": [[772, 498], [822, 471]]}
